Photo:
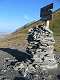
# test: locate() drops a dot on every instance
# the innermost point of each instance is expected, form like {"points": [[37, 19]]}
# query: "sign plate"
{"points": [[46, 12]]}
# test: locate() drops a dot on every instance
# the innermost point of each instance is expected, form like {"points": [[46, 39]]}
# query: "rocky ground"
{"points": [[9, 58]]}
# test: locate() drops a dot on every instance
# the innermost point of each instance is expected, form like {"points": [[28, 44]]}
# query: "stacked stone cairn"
{"points": [[41, 45]]}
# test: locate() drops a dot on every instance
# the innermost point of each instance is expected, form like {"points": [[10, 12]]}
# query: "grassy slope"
{"points": [[17, 38], [55, 26]]}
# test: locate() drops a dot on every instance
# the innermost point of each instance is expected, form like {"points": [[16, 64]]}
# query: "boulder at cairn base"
{"points": [[41, 45]]}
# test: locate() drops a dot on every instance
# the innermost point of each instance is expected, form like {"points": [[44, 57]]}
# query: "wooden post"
{"points": [[47, 24]]}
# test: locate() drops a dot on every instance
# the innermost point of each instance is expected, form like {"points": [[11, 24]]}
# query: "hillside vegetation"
{"points": [[55, 26], [17, 39]]}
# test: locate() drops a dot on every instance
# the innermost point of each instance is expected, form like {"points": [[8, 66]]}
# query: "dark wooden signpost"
{"points": [[46, 14]]}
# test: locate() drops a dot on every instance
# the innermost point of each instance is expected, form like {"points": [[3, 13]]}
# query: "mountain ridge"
{"points": [[17, 39]]}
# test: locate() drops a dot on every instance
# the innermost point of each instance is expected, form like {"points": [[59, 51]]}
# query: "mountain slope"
{"points": [[55, 26], [17, 39]]}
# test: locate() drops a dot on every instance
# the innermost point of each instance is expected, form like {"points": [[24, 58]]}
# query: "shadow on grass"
{"points": [[19, 55]]}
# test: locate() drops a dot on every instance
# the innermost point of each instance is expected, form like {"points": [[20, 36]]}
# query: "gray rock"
{"points": [[41, 46]]}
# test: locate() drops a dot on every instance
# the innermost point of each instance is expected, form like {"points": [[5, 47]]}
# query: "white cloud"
{"points": [[26, 17]]}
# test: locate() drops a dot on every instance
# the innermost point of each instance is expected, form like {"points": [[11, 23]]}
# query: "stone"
{"points": [[41, 45]]}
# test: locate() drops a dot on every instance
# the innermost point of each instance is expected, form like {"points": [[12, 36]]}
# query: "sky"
{"points": [[16, 13]]}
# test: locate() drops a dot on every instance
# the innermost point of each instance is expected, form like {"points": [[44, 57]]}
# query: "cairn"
{"points": [[41, 46]]}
